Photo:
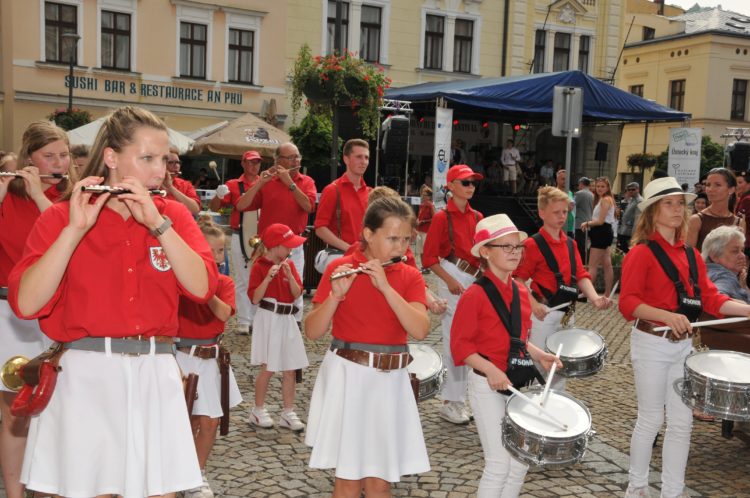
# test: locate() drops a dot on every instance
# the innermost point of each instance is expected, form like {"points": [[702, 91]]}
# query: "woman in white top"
{"points": [[601, 234]]}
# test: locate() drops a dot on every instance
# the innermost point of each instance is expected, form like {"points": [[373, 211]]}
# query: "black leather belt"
{"points": [[4, 293], [281, 309]]}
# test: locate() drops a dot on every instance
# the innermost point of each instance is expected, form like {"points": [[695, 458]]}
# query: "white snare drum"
{"points": [[717, 383], [534, 440], [428, 367], [583, 351]]}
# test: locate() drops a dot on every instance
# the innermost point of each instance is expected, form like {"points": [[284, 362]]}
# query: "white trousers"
{"points": [[454, 387], [540, 331], [503, 475], [241, 272], [657, 363], [298, 258]]}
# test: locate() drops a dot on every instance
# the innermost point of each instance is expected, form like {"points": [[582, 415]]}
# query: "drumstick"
{"points": [[539, 408], [545, 394], [212, 165], [707, 323], [614, 289]]}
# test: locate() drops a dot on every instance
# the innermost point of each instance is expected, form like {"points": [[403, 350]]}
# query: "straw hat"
{"points": [[492, 228], [660, 188]]}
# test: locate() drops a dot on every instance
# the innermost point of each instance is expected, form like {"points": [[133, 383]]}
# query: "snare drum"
{"points": [[428, 367], [583, 351], [717, 383], [534, 440]]}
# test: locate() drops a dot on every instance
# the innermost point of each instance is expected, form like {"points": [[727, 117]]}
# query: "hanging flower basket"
{"points": [[70, 120], [641, 161]]}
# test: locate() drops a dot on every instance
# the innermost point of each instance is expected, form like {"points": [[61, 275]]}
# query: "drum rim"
{"points": [[577, 358], [720, 382]]}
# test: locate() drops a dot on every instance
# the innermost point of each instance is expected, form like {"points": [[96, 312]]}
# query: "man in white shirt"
{"points": [[509, 157]]}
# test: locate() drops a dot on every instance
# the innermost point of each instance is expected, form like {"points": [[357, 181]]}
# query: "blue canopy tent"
{"points": [[528, 98]]}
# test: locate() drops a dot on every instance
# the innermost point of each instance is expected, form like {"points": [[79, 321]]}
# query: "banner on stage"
{"points": [[442, 155], [685, 155]]}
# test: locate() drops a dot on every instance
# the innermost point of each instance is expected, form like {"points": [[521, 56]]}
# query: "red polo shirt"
{"points": [[118, 282], [534, 266], [353, 207], [278, 205], [186, 188], [233, 196], [197, 321], [365, 315], [278, 289], [477, 328], [17, 217], [643, 280], [437, 245], [424, 218]]}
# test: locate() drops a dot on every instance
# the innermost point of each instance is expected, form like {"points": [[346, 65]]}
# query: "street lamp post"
{"points": [[73, 42]]}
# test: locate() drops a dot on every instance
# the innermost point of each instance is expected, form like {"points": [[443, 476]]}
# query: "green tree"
{"points": [[313, 139]]}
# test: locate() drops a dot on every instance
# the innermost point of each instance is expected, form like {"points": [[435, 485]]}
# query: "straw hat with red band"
{"points": [[660, 188], [462, 172], [279, 234], [492, 228], [251, 155]]}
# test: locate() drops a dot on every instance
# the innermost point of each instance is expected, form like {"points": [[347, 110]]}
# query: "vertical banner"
{"points": [[442, 154], [685, 155]]}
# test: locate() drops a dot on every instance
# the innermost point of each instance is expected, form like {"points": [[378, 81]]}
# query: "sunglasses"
{"points": [[631, 190], [507, 248], [466, 183]]}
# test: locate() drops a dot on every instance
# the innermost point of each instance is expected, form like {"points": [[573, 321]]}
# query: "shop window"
{"points": [[241, 46], [60, 19], [193, 50], [115, 40]]}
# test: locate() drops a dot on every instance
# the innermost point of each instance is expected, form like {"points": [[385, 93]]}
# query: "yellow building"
{"points": [[697, 62], [193, 63]]}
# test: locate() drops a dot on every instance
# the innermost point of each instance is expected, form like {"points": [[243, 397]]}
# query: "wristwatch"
{"points": [[159, 231], [292, 187]]}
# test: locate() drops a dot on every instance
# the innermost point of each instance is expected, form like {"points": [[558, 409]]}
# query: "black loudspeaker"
{"points": [[739, 156], [601, 151], [395, 140]]}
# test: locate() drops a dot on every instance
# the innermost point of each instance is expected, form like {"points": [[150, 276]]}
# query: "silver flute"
{"points": [[59, 176], [267, 173], [106, 189], [392, 261]]}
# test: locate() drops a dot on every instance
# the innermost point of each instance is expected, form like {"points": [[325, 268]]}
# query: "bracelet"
{"points": [[336, 298]]}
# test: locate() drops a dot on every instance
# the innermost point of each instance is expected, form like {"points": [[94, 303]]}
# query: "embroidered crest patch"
{"points": [[159, 259]]}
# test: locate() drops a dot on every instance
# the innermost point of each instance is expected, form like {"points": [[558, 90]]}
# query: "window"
{"points": [[539, 41], [637, 90], [192, 50], [648, 33], [462, 44], [561, 59], [370, 28], [739, 99], [59, 19], [241, 43], [115, 40], [433, 42], [332, 25], [677, 94], [584, 49]]}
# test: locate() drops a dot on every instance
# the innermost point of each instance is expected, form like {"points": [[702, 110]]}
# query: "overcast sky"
{"points": [[741, 6]]}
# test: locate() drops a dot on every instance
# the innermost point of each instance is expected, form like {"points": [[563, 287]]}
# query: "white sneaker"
{"points": [[641, 492], [202, 491], [454, 412], [290, 420], [259, 417]]}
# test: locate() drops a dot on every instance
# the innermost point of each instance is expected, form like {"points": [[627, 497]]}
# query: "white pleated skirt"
{"points": [[114, 425], [208, 402], [364, 423], [19, 337], [277, 342]]}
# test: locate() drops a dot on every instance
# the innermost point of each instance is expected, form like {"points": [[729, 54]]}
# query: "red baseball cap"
{"points": [[462, 172], [251, 155], [279, 234]]}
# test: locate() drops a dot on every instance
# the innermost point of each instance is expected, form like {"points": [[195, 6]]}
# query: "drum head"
{"points": [[427, 362], [577, 343], [727, 366], [566, 408]]}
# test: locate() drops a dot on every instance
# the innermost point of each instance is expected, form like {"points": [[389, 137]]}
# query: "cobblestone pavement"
{"points": [[253, 462]]}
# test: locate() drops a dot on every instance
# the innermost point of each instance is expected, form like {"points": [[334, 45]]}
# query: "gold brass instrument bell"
{"points": [[11, 373]]}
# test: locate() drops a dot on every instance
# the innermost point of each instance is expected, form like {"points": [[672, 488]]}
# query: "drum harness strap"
{"points": [[462, 264], [241, 185], [521, 370], [564, 292], [691, 307]]}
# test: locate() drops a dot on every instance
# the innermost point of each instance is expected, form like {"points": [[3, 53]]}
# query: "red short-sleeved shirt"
{"points": [[186, 188], [424, 217], [17, 217], [477, 328], [643, 280], [278, 289], [197, 321], [353, 207], [118, 282], [534, 266], [233, 196], [278, 205], [437, 245], [377, 324]]}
